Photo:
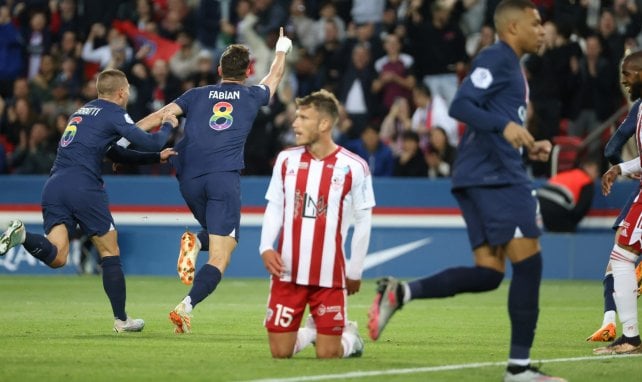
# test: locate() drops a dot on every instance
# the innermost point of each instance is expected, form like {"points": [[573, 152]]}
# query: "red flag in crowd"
{"points": [[160, 48]]}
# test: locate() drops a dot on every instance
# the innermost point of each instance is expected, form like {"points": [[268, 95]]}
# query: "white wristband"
{"points": [[283, 44]]}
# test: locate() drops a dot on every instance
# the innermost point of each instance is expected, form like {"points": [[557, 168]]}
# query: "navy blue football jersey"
{"points": [[93, 128], [494, 93], [218, 121]]}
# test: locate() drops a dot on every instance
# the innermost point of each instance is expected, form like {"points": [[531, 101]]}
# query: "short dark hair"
{"points": [[234, 62], [109, 81], [506, 5], [322, 100]]}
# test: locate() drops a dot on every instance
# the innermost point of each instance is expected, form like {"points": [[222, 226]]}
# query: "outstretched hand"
{"points": [[283, 44]]}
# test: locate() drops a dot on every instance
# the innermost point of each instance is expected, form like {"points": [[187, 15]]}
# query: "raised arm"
{"points": [[273, 78]]}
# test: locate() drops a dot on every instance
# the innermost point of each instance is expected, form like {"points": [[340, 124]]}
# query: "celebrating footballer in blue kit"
{"points": [[74, 193], [493, 190], [210, 157]]}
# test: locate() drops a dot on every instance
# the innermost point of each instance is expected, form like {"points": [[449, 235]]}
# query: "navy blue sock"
{"points": [[523, 305], [40, 247], [609, 302], [206, 280], [204, 238], [452, 281], [114, 285]]}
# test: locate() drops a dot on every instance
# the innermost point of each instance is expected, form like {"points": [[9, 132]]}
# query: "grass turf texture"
{"points": [[59, 328]]}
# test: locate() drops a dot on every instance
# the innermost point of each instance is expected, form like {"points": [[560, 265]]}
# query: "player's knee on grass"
{"points": [[282, 344], [328, 346]]}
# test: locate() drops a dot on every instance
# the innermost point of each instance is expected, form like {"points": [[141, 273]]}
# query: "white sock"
{"points": [[347, 341], [304, 337], [188, 304], [609, 317], [625, 286], [406, 293], [519, 362]]}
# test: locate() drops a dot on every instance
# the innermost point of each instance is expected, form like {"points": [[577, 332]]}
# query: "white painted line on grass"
{"points": [[432, 369]]}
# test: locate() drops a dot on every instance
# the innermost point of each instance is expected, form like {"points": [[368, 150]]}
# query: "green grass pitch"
{"points": [[58, 328]]}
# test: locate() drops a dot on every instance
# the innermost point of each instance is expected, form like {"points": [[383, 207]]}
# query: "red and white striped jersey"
{"points": [[318, 197]]}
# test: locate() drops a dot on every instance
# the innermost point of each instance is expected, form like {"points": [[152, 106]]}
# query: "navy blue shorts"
{"points": [[625, 209], [76, 198], [496, 215], [215, 201]]}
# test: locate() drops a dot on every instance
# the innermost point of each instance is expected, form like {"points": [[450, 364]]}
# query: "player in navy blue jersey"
{"points": [[608, 332], [210, 158], [74, 193], [493, 190]]}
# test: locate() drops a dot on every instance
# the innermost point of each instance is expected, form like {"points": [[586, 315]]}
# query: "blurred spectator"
{"points": [[34, 154], [303, 27], [566, 198], [141, 13], [372, 149], [396, 122], [38, 40], [11, 52], [166, 87], [548, 74], [368, 11], [410, 162], [184, 62], [354, 90], [104, 55], [210, 17], [611, 39], [69, 77], [439, 48], [597, 93], [271, 16], [205, 71], [307, 75], [40, 85], [441, 154], [64, 17], [20, 116], [328, 14], [478, 41], [395, 79], [179, 17], [327, 57], [431, 110], [69, 46]]}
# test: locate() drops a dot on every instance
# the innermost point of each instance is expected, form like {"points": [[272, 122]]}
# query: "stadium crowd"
{"points": [[393, 64]]}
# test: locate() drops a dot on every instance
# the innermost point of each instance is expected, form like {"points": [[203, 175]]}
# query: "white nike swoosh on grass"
{"points": [[380, 257]]}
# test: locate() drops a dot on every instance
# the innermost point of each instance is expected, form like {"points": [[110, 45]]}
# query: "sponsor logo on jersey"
{"points": [[328, 309]]}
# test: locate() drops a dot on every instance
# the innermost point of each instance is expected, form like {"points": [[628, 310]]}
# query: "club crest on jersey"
{"points": [[304, 165], [338, 179]]}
